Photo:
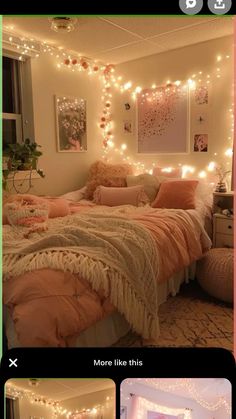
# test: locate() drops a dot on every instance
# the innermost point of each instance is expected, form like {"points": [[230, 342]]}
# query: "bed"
{"points": [[52, 298]]}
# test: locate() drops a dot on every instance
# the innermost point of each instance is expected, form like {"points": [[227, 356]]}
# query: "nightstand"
{"points": [[223, 225], [223, 231]]}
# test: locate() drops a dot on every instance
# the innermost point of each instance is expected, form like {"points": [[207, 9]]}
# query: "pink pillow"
{"points": [[105, 174], [174, 173], [58, 207], [133, 195], [176, 194]]}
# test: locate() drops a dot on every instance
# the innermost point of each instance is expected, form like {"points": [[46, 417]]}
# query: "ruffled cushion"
{"points": [[133, 195]]}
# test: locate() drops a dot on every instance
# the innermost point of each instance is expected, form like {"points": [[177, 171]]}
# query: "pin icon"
{"points": [[191, 7], [191, 3]]}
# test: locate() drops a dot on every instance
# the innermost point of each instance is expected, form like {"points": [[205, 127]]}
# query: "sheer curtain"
{"points": [[145, 409], [12, 409]]}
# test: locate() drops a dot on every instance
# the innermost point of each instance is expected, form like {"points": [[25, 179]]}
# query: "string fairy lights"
{"points": [[189, 385], [57, 409], [72, 61]]}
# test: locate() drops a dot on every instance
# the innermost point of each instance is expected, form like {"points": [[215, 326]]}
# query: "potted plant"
{"points": [[221, 174], [21, 156]]}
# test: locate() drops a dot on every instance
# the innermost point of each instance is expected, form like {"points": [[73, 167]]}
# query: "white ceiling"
{"points": [[118, 39], [63, 389]]}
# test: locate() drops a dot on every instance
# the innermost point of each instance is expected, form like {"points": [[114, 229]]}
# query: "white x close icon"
{"points": [[13, 362]]}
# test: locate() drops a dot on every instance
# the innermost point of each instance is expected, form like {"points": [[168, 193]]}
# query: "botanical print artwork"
{"points": [[71, 124], [162, 120], [201, 142], [156, 415], [201, 95]]}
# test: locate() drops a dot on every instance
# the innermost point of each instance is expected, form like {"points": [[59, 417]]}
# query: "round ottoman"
{"points": [[215, 273]]}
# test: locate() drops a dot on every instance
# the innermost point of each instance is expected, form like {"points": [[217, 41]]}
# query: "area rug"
{"points": [[191, 319]]}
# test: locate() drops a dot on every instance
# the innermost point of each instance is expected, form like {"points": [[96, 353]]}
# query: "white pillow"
{"points": [[150, 182], [75, 195], [205, 191]]}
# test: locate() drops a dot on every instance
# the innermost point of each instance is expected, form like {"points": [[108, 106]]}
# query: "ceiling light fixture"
{"points": [[33, 382], [63, 24]]}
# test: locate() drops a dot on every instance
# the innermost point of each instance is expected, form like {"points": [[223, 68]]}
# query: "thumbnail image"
{"points": [[175, 398], [52, 398]]}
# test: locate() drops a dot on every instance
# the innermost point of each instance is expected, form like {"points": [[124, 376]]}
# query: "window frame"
{"points": [[18, 118], [23, 98]]}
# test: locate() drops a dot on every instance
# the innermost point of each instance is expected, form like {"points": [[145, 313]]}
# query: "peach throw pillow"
{"points": [[179, 194], [133, 195]]}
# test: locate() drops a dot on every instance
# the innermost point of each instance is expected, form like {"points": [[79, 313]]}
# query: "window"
{"points": [[12, 408], [17, 105], [12, 118]]}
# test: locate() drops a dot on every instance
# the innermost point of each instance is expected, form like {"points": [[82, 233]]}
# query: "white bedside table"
{"points": [[223, 231], [223, 226]]}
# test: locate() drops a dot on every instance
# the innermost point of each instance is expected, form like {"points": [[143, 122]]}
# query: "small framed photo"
{"points": [[200, 143], [201, 95], [71, 124], [127, 127]]}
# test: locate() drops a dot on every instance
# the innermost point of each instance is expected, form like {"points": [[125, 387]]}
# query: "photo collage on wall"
{"points": [[200, 101]]}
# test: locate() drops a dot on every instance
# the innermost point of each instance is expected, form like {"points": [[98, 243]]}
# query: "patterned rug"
{"points": [[191, 319]]}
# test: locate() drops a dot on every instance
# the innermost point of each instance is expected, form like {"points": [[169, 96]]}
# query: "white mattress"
{"points": [[108, 331]]}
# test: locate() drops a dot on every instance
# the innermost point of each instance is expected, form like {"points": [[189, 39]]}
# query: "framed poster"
{"points": [[71, 124], [163, 120]]}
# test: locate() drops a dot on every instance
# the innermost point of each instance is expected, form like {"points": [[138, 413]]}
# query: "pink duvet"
{"points": [[51, 308]]}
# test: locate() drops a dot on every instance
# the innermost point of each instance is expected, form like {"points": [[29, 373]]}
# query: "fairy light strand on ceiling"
{"points": [[75, 62]]}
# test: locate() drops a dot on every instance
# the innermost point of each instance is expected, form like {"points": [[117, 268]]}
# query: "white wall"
{"points": [[88, 401], [169, 400], [180, 64], [64, 171], [28, 409], [68, 171]]}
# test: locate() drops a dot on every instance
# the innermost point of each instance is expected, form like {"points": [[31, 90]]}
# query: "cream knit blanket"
{"points": [[111, 252]]}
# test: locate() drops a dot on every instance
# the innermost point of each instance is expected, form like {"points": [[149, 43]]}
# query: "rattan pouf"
{"points": [[215, 273]]}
